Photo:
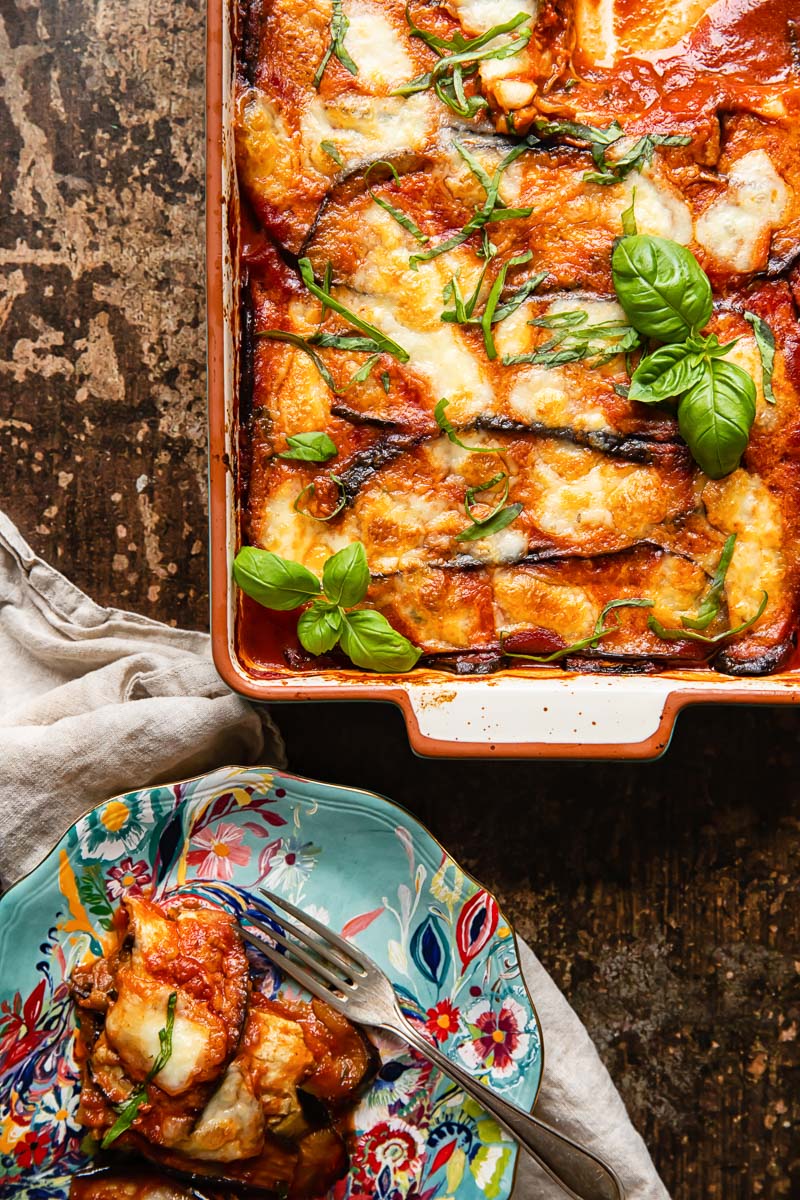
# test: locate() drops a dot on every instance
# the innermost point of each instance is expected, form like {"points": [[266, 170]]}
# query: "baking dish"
{"points": [[524, 713]]}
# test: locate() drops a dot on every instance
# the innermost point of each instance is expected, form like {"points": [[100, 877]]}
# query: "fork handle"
{"points": [[580, 1173]]}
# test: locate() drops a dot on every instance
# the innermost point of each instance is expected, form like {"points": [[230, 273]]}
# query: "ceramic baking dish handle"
{"points": [[577, 716]]}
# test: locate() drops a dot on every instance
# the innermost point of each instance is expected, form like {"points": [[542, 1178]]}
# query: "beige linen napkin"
{"points": [[95, 701]]}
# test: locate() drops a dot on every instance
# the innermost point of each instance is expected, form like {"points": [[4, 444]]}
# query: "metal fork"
{"points": [[348, 980]]}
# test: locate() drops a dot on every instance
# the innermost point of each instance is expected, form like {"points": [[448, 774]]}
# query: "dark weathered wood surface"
{"points": [[662, 897]]}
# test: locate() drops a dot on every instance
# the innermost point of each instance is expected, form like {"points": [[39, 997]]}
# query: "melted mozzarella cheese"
{"points": [[134, 1022], [659, 209], [742, 504], [735, 229], [231, 1126], [479, 16], [375, 47], [364, 128], [440, 354]]}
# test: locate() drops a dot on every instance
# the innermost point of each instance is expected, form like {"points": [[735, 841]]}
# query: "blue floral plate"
{"points": [[362, 865]]}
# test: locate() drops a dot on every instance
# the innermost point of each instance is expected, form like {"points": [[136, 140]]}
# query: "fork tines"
{"points": [[331, 969]]}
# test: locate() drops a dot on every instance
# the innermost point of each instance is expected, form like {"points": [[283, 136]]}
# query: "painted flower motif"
{"points": [[288, 862], [116, 828], [498, 1037], [31, 1150], [220, 849], [127, 877], [442, 1020], [391, 1147], [397, 1081], [57, 1112]]}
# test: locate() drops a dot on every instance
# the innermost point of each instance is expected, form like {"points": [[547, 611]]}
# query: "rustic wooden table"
{"points": [[662, 897]]}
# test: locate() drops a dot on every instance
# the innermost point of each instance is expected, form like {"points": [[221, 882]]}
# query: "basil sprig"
{"points": [[459, 59], [366, 637], [336, 47], [765, 340], [309, 447], [129, 1110], [601, 630], [610, 171], [574, 340], [666, 295], [490, 211]]}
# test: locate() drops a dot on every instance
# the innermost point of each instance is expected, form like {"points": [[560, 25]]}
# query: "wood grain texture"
{"points": [[663, 897]]}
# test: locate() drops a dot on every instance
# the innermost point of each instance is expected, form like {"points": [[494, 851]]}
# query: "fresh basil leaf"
{"points": [[336, 47], [712, 601], [493, 524], [601, 630], [332, 152], [667, 372], [494, 299], [369, 641], [273, 581], [386, 381], [128, 1112], [345, 576], [310, 490], [383, 342], [320, 627], [309, 447], [716, 415], [661, 286], [446, 427], [765, 340], [402, 218], [689, 635]]}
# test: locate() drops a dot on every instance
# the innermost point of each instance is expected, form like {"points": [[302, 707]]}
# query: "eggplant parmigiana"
{"points": [[186, 1065], [445, 363]]}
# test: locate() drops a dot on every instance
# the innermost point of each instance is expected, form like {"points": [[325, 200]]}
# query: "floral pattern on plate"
{"points": [[437, 934]]}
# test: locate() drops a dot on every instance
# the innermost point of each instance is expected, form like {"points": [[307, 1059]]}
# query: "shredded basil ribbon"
{"points": [[310, 490], [336, 47], [489, 211], [402, 218], [610, 171], [601, 630], [460, 58], [128, 1112]]}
